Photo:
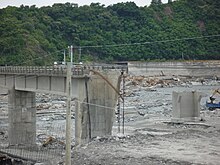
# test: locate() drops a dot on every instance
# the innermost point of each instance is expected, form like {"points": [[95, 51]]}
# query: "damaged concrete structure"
{"points": [[95, 112], [96, 97], [186, 106], [22, 117]]}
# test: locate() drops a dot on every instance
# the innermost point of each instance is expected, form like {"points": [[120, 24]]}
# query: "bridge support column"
{"points": [[22, 117], [186, 106], [96, 118]]}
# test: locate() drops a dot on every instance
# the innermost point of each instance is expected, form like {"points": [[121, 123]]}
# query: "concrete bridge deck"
{"points": [[48, 79], [77, 70]]}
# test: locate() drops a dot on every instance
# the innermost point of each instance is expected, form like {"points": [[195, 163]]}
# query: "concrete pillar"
{"points": [[96, 118], [186, 106], [22, 117], [80, 117]]}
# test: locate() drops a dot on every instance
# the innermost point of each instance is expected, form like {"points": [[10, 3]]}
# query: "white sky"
{"points": [[39, 3]]}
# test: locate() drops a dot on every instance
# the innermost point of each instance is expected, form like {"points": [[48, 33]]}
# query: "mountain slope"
{"points": [[182, 29]]}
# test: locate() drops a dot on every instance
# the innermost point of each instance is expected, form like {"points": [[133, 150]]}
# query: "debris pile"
{"points": [[152, 81], [49, 101], [168, 81]]}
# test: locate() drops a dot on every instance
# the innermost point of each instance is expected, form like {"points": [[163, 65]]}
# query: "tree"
{"points": [[156, 2]]}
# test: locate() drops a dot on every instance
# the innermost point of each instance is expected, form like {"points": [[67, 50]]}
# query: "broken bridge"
{"points": [[88, 88]]}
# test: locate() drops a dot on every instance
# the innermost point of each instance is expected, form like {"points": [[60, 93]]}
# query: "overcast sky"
{"points": [[39, 3]]}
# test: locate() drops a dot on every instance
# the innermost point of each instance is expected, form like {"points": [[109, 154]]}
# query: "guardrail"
{"points": [[40, 70], [77, 70], [105, 67]]}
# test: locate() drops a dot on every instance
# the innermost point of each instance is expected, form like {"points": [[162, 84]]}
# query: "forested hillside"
{"points": [[183, 29]]}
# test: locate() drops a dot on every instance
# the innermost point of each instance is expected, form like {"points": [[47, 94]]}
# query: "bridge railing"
{"points": [[40, 70], [105, 67], [57, 70]]}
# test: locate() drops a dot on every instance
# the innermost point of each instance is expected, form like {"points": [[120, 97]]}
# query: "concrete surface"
{"points": [[186, 106], [22, 117], [96, 118], [186, 68]]}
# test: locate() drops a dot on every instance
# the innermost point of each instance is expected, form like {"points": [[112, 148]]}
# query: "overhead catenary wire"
{"points": [[124, 44], [147, 42]]}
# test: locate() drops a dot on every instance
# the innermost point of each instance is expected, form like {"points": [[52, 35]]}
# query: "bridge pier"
{"points": [[186, 106], [22, 117], [96, 118]]}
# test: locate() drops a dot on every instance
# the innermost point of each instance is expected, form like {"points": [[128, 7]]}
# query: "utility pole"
{"points": [[68, 114], [80, 51], [123, 105], [118, 113], [64, 57], [71, 54]]}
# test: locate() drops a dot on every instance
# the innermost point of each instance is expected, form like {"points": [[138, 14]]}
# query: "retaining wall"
{"points": [[187, 68]]}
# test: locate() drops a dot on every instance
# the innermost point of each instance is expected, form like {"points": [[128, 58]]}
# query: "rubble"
{"points": [[51, 140]]}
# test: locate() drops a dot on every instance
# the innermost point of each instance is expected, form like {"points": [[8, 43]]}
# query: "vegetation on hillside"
{"points": [[182, 29]]}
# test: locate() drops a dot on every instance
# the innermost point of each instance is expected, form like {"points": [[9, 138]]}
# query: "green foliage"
{"points": [[120, 32]]}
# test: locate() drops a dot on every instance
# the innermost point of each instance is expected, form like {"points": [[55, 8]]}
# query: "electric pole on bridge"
{"points": [[68, 114], [64, 57], [71, 53], [80, 52]]}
